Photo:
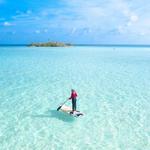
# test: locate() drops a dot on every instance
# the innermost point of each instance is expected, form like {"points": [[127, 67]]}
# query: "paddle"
{"points": [[61, 105]]}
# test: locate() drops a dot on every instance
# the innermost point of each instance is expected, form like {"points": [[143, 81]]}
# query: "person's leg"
{"points": [[75, 105], [72, 105]]}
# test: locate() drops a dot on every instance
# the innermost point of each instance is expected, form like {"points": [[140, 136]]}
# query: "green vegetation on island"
{"points": [[50, 44]]}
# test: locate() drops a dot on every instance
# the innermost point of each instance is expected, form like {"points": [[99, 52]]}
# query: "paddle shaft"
{"points": [[64, 102], [61, 105]]}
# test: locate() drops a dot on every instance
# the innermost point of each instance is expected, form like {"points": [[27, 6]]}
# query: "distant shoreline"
{"points": [[90, 45], [50, 44]]}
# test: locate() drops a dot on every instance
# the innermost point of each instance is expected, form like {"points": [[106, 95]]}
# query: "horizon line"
{"points": [[107, 45]]}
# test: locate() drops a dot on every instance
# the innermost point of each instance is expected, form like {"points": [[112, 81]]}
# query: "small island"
{"points": [[50, 44]]}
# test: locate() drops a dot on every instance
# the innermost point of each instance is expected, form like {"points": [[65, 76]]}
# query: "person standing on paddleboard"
{"points": [[73, 97]]}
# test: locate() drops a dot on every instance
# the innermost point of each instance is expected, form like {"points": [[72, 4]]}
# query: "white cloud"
{"points": [[29, 12], [121, 29], [13, 32], [96, 18], [41, 31], [22, 15], [45, 30], [134, 18], [143, 33], [7, 24], [73, 30], [37, 31]]}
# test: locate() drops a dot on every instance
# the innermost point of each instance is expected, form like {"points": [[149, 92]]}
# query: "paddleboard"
{"points": [[67, 109]]}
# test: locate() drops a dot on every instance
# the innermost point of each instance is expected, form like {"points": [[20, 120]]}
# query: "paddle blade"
{"points": [[59, 108]]}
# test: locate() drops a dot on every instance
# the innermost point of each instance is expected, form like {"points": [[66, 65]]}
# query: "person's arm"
{"points": [[76, 94], [70, 97]]}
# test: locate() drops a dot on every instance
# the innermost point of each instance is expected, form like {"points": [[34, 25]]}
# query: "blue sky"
{"points": [[75, 21]]}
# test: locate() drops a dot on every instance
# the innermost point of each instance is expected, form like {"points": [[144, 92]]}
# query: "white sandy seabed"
{"points": [[113, 85]]}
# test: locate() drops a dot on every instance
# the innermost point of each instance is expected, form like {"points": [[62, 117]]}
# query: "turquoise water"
{"points": [[113, 85]]}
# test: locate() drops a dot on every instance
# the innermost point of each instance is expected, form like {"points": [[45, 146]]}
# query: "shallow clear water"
{"points": [[113, 85]]}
